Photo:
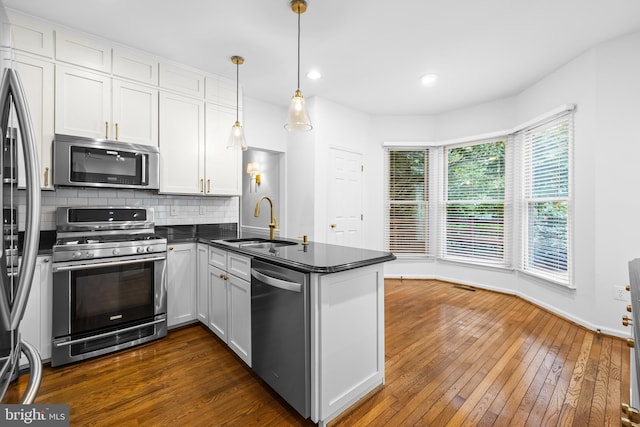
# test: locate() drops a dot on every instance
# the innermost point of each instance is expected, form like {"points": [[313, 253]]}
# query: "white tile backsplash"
{"points": [[186, 208]]}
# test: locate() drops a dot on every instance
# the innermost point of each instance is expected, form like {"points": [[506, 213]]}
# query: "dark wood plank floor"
{"points": [[453, 357]]}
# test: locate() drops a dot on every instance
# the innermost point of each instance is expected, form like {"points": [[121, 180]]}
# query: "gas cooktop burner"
{"points": [[88, 240]]}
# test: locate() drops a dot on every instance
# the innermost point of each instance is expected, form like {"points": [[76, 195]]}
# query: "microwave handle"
{"points": [[145, 159]]}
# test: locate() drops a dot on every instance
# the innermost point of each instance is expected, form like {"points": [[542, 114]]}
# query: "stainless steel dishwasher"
{"points": [[280, 332]]}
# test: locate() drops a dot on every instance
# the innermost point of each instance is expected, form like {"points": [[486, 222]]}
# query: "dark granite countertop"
{"points": [[191, 233], [311, 258]]}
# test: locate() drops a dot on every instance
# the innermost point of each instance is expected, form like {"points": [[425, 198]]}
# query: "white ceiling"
{"points": [[371, 53]]}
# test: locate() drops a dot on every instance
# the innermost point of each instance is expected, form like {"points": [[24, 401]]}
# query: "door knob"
{"points": [[333, 225]]}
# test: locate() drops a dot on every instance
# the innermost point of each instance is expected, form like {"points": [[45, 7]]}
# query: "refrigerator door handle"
{"points": [[11, 89]]}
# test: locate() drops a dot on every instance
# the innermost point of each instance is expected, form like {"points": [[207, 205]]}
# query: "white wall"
{"points": [[604, 83], [264, 125]]}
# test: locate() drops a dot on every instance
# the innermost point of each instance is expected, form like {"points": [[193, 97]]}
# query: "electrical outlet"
{"points": [[620, 293], [174, 210], [203, 210]]}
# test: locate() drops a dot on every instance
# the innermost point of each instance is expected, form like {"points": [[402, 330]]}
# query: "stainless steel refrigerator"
{"points": [[16, 269]]}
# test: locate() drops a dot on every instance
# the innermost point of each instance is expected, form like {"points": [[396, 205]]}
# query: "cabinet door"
{"points": [[202, 304], [82, 103], [218, 302], [181, 144], [135, 113], [37, 80], [181, 295], [239, 327], [83, 51], [223, 166]]}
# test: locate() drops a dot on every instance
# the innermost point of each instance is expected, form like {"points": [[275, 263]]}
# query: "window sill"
{"points": [[485, 266], [547, 280]]}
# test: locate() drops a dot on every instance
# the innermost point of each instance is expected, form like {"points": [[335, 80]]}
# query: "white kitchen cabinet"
{"points": [[181, 283], [134, 113], [30, 35], [135, 65], [181, 80], [218, 313], [181, 144], [230, 301], [223, 167], [83, 51], [96, 106], [222, 92], [37, 77], [82, 104], [35, 327], [202, 292]]}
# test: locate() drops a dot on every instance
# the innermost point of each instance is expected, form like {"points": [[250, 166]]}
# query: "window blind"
{"points": [[547, 219], [476, 215], [407, 201]]}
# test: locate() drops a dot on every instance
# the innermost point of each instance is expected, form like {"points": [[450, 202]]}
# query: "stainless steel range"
{"points": [[109, 282]]}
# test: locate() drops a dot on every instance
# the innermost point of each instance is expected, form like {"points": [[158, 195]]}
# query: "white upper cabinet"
{"points": [[31, 36], [82, 103], [96, 106], [222, 92], [37, 79], [135, 66], [181, 144], [223, 167], [181, 80], [135, 113], [82, 51]]}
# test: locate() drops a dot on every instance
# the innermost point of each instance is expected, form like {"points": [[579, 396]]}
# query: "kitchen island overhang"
{"points": [[346, 290]]}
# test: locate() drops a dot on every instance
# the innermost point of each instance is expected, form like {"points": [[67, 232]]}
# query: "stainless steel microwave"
{"points": [[87, 162]]}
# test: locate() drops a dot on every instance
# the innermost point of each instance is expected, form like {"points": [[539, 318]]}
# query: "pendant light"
{"points": [[236, 139], [298, 119]]}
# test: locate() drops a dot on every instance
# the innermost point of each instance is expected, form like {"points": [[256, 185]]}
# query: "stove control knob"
{"points": [[140, 249], [148, 249], [89, 254], [76, 255], [116, 251]]}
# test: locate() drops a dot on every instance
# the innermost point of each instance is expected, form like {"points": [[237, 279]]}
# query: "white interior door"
{"points": [[345, 198]]}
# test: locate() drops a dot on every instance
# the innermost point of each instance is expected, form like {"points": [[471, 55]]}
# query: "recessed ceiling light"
{"points": [[314, 75], [429, 79]]}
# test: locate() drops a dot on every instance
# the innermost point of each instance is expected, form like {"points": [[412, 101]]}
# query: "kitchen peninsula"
{"points": [[344, 314]]}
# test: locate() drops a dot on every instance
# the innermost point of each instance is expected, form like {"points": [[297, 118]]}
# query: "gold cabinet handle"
{"points": [[628, 288], [170, 248], [631, 343], [46, 177], [201, 185], [208, 186], [626, 320], [629, 308], [333, 226], [106, 130], [116, 131]]}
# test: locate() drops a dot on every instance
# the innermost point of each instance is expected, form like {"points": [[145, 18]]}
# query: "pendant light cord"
{"points": [[237, 88], [298, 47]]}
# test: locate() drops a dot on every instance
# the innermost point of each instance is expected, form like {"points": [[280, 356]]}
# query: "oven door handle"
{"points": [[57, 268], [108, 334]]}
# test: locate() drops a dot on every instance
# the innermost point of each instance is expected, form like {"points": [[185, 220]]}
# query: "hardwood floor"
{"points": [[454, 357]]}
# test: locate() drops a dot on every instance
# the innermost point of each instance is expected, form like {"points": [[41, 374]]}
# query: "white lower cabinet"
{"points": [[230, 300], [181, 284], [35, 327]]}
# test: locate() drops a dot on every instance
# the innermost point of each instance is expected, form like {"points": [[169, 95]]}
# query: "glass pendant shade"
{"points": [[236, 139], [298, 119]]}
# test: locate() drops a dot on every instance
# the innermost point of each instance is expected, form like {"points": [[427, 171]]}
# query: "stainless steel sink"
{"points": [[258, 242]]}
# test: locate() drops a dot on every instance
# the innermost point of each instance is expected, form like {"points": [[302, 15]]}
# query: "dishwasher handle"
{"points": [[277, 283]]}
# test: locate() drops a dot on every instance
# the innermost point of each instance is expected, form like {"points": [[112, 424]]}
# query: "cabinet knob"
{"points": [[170, 248], [631, 343], [633, 416], [45, 260], [629, 308], [333, 226], [628, 288]]}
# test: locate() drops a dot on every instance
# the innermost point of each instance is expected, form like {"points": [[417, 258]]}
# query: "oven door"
{"points": [[103, 295]]}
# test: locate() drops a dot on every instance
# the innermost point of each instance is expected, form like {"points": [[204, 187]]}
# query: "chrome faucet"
{"points": [[274, 222]]}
